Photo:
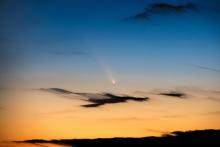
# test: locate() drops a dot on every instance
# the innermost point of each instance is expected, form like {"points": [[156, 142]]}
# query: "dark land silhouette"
{"points": [[195, 138]]}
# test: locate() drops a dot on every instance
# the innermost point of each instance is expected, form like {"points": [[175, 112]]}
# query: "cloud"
{"points": [[165, 7], [206, 68], [162, 8], [112, 99], [97, 99], [173, 94], [57, 90], [139, 16]]}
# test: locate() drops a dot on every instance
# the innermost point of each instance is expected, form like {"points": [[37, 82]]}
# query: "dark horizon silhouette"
{"points": [[208, 137]]}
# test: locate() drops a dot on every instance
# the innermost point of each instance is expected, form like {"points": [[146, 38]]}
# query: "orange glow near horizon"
{"points": [[40, 115]]}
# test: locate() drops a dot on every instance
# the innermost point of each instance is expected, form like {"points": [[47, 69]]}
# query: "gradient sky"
{"points": [[84, 45]]}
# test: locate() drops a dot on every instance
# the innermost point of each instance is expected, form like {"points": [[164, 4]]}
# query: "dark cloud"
{"points": [[162, 8], [139, 16], [57, 90], [112, 99], [173, 94], [165, 7], [97, 100]]}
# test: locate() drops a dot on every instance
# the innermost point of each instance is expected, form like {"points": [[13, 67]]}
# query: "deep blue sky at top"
{"points": [[71, 38]]}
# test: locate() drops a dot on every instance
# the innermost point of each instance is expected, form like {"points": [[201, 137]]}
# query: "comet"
{"points": [[107, 70], [113, 82], [109, 74]]}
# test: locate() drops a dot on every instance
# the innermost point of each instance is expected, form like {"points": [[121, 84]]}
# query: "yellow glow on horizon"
{"points": [[41, 115]]}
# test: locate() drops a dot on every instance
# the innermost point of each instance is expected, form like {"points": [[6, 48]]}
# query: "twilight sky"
{"points": [[140, 48]]}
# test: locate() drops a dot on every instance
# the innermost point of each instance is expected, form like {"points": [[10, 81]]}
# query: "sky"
{"points": [[166, 52]]}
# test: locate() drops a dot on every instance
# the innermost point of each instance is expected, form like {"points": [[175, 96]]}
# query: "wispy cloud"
{"points": [[166, 7], [144, 15], [162, 8], [57, 90], [97, 99], [206, 68], [173, 94]]}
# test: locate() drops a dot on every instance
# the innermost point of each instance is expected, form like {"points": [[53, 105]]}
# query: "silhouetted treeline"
{"points": [[193, 138]]}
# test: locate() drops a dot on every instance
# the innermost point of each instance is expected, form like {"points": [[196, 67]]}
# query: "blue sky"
{"points": [[67, 41]]}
